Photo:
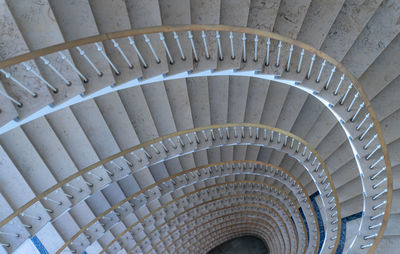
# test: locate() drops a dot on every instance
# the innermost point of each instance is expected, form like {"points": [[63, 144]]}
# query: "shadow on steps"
{"points": [[241, 245]]}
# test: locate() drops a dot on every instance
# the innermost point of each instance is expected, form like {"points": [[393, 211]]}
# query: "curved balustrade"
{"points": [[202, 138], [310, 70], [226, 211], [194, 196], [236, 168]]}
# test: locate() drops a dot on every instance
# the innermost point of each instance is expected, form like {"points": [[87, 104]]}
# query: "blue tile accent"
{"points": [[305, 223], [38, 244], [342, 240], [295, 228], [319, 218]]}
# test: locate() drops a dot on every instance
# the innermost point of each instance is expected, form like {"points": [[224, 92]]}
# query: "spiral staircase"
{"points": [[172, 126]]}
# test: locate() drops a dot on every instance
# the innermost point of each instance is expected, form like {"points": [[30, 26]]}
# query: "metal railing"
{"points": [[323, 76]]}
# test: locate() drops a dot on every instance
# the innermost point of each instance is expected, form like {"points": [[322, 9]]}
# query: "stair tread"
{"points": [[112, 16], [205, 12], [79, 25], [354, 16], [234, 13], [177, 12], [366, 48], [145, 13]]}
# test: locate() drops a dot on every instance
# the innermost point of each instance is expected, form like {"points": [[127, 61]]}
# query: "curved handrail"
{"points": [[226, 163], [223, 28], [199, 130]]}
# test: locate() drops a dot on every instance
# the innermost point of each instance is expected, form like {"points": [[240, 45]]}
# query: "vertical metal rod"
{"points": [[103, 53], [83, 53], [279, 53], [320, 71], [19, 104], [352, 101], [203, 35], [116, 45], [347, 93], [148, 41], [232, 47], [162, 38], [218, 36], [64, 57], [244, 47], [256, 48], [339, 85], [290, 57], [330, 78], [267, 55], [311, 65], [300, 61], [178, 43], [29, 68], [190, 35], [133, 44]]}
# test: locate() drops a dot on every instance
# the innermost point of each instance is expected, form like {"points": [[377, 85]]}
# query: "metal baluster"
{"points": [[64, 57], [352, 102], [364, 246], [375, 226], [372, 153], [29, 68], [178, 43], [339, 85], [83, 53], [290, 57], [203, 35], [190, 35], [330, 78], [379, 205], [379, 194], [19, 104], [311, 65], [370, 141], [347, 93], [74, 188], [362, 122], [9, 76], [320, 71], [162, 38], [218, 36], [53, 201], [376, 162], [358, 111], [256, 48], [31, 216], [10, 234], [267, 55], [137, 157], [379, 183], [133, 44], [279, 54], [96, 176], [300, 61], [146, 153], [147, 40], [366, 131], [103, 53], [116, 45], [244, 47], [378, 173]]}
